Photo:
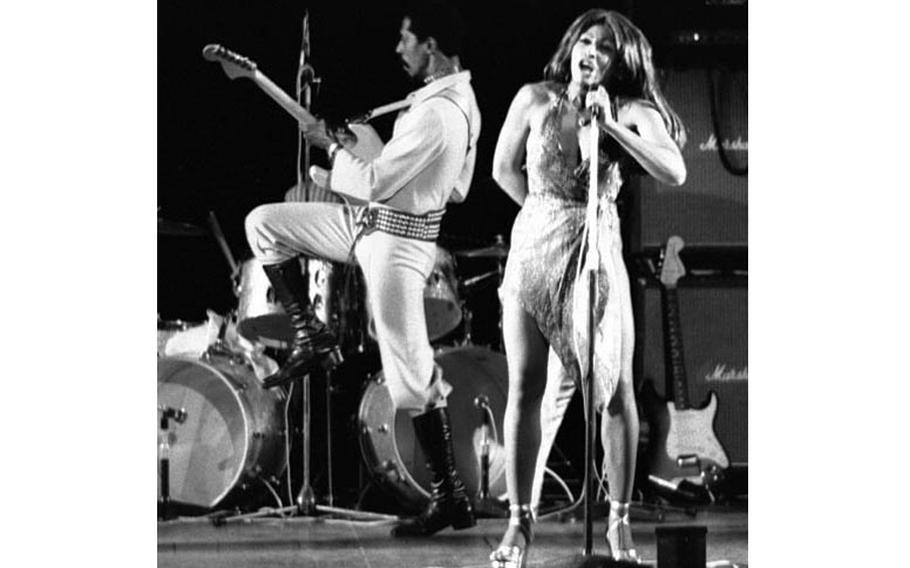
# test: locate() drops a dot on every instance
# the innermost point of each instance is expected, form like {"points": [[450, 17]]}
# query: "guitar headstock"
{"points": [[672, 268], [234, 65]]}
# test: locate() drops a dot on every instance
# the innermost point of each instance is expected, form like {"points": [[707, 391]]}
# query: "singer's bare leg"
{"points": [[619, 435], [526, 352]]}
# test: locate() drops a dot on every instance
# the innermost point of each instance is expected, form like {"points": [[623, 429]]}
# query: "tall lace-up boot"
{"points": [[449, 503], [313, 344]]}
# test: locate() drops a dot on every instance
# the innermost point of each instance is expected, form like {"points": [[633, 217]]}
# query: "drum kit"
{"points": [[223, 437]]}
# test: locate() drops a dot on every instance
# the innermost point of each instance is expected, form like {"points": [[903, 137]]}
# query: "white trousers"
{"points": [[395, 270]]}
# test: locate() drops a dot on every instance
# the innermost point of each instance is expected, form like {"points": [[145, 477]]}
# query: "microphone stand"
{"points": [[587, 558]]}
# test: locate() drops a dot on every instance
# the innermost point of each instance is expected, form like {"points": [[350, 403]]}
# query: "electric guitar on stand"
{"points": [[361, 139], [684, 447]]}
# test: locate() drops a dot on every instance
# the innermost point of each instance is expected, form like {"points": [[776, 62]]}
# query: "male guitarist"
{"points": [[401, 196]]}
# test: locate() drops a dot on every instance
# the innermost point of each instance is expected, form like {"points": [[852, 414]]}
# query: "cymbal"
{"points": [[179, 229], [494, 251]]}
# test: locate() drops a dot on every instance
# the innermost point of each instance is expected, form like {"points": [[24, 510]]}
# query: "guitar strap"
{"points": [[381, 110], [405, 103]]}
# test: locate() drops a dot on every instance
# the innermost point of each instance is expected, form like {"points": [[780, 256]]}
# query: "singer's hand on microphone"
{"points": [[599, 101]]}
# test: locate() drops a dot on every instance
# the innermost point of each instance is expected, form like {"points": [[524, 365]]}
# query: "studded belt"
{"points": [[421, 227]]}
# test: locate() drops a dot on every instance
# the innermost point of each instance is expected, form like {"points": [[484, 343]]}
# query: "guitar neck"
{"points": [[282, 98], [306, 191], [674, 363]]}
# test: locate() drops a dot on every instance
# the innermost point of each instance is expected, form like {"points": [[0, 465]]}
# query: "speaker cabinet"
{"points": [[713, 316], [711, 207]]}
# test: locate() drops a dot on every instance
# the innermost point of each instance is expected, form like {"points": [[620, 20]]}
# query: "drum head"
{"points": [[390, 447], [230, 431]]}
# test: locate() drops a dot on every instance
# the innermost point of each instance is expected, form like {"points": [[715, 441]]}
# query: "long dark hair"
{"points": [[632, 74]]}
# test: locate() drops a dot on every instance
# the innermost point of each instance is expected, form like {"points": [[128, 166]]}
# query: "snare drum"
{"points": [[232, 434], [391, 450]]}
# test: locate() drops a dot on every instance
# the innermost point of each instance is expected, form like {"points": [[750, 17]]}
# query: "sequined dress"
{"points": [[548, 244]]}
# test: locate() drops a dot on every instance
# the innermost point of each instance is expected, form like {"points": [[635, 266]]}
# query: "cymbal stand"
{"points": [[225, 249]]}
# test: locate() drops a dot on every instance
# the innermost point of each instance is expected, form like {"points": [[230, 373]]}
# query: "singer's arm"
{"points": [[509, 155], [652, 146]]}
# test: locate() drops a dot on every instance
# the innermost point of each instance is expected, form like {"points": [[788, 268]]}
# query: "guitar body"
{"points": [[366, 145], [683, 442]]}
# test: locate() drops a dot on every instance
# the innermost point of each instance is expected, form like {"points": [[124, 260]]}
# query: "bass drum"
{"points": [[391, 450], [232, 434]]}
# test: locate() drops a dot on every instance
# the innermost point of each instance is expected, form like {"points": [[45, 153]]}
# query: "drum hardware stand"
{"points": [[485, 505], [164, 456], [467, 316], [225, 249], [305, 504]]}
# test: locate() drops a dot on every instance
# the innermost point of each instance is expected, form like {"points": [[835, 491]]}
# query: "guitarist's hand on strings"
{"points": [[317, 134]]}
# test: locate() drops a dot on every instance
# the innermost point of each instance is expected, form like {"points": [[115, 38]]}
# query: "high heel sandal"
{"points": [[619, 537], [520, 516]]}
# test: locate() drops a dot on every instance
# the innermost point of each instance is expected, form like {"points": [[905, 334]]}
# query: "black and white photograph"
{"points": [[451, 283]]}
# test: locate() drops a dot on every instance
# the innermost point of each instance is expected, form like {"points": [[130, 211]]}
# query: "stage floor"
{"points": [[304, 542]]}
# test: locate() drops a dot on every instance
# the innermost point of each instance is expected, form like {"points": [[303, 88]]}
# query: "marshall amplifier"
{"points": [[711, 207], [713, 323]]}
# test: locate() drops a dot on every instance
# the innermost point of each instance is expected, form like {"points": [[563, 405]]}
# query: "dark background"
{"points": [[226, 147]]}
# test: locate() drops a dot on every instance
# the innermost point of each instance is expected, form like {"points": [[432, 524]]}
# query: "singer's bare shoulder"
{"points": [[542, 92], [531, 98]]}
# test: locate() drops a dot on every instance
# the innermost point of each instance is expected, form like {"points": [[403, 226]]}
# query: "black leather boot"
{"points": [[449, 503], [313, 344]]}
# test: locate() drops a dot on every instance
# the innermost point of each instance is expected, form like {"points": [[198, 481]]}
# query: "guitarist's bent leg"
{"points": [[280, 231], [277, 234]]}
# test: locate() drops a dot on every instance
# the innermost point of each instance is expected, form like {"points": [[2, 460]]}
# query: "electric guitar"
{"points": [[361, 139], [684, 445]]}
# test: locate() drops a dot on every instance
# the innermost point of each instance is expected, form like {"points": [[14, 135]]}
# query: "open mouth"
{"points": [[587, 66]]}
